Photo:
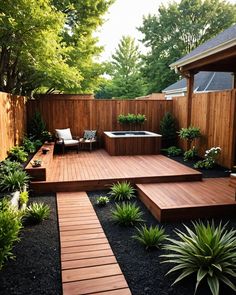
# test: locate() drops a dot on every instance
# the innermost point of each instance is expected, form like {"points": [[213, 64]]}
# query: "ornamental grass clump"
{"points": [[13, 181], [122, 191], [209, 251], [37, 212], [102, 201], [151, 237], [127, 214]]}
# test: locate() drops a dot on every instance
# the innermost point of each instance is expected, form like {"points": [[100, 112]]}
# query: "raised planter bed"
{"points": [[40, 173]]}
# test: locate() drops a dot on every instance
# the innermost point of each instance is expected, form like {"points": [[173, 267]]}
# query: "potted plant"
{"points": [[190, 134], [36, 163], [45, 150]]}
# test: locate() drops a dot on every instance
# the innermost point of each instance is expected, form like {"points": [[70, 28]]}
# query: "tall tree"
{"points": [[176, 30], [49, 46], [125, 70]]}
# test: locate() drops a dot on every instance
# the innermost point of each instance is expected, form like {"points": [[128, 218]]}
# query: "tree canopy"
{"points": [[176, 30], [125, 71], [48, 45]]}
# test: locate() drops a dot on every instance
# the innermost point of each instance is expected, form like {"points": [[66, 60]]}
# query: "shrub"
{"points": [[122, 191], [168, 129], [131, 119], [102, 201], [37, 212], [46, 136], [17, 153], [37, 143], [14, 181], [8, 166], [140, 118], [210, 158], [208, 251], [150, 237], [127, 214], [190, 154], [10, 225], [28, 145], [173, 151], [189, 133], [36, 126], [24, 198]]}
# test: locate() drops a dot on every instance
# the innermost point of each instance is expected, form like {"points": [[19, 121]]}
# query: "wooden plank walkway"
{"points": [[95, 170], [187, 200], [87, 261]]}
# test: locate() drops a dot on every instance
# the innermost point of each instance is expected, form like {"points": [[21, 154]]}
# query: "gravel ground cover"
{"points": [[142, 268], [36, 269]]}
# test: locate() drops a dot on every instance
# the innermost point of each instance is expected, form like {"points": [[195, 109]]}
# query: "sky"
{"points": [[123, 18]]}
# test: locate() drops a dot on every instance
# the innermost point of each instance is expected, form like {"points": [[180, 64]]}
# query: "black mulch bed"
{"points": [[36, 269], [215, 172], [142, 268]]}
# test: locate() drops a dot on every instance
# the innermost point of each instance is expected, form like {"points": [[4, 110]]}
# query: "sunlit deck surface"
{"points": [[97, 170], [187, 200]]}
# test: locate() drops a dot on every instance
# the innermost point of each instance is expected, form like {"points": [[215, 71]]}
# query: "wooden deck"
{"points": [[87, 261], [96, 170], [187, 200]]}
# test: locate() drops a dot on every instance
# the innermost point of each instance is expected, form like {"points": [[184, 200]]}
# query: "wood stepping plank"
{"points": [[87, 262], [187, 200]]}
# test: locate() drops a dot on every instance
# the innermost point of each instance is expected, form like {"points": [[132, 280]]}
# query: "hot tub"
{"points": [[119, 143]]}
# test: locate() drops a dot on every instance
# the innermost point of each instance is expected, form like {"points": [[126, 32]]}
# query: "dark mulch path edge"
{"points": [[215, 172], [142, 269], [36, 269]]}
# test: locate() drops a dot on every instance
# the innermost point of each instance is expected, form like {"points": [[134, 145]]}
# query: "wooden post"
{"points": [[190, 85], [234, 81]]}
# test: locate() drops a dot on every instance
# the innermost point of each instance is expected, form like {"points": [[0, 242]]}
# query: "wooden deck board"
{"points": [[184, 200], [87, 261], [97, 169]]}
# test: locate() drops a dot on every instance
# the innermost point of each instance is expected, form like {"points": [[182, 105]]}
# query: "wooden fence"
{"points": [[215, 114], [12, 121], [100, 115]]}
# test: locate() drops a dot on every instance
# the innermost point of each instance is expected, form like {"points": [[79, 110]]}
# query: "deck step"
{"points": [[87, 262], [210, 197]]}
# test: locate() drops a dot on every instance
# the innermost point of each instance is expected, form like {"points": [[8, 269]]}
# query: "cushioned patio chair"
{"points": [[89, 139], [65, 139]]}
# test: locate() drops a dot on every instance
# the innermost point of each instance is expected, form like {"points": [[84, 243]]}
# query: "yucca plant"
{"points": [[122, 191], [37, 212], [127, 214], [209, 251], [12, 181], [102, 201], [151, 237]]}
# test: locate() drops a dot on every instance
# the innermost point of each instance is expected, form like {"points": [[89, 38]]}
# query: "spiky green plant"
{"points": [[12, 181], [10, 225], [102, 201], [122, 191], [151, 237], [37, 212], [207, 250], [127, 214]]}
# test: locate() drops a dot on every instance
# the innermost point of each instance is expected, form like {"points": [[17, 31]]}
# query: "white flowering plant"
{"points": [[210, 158]]}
